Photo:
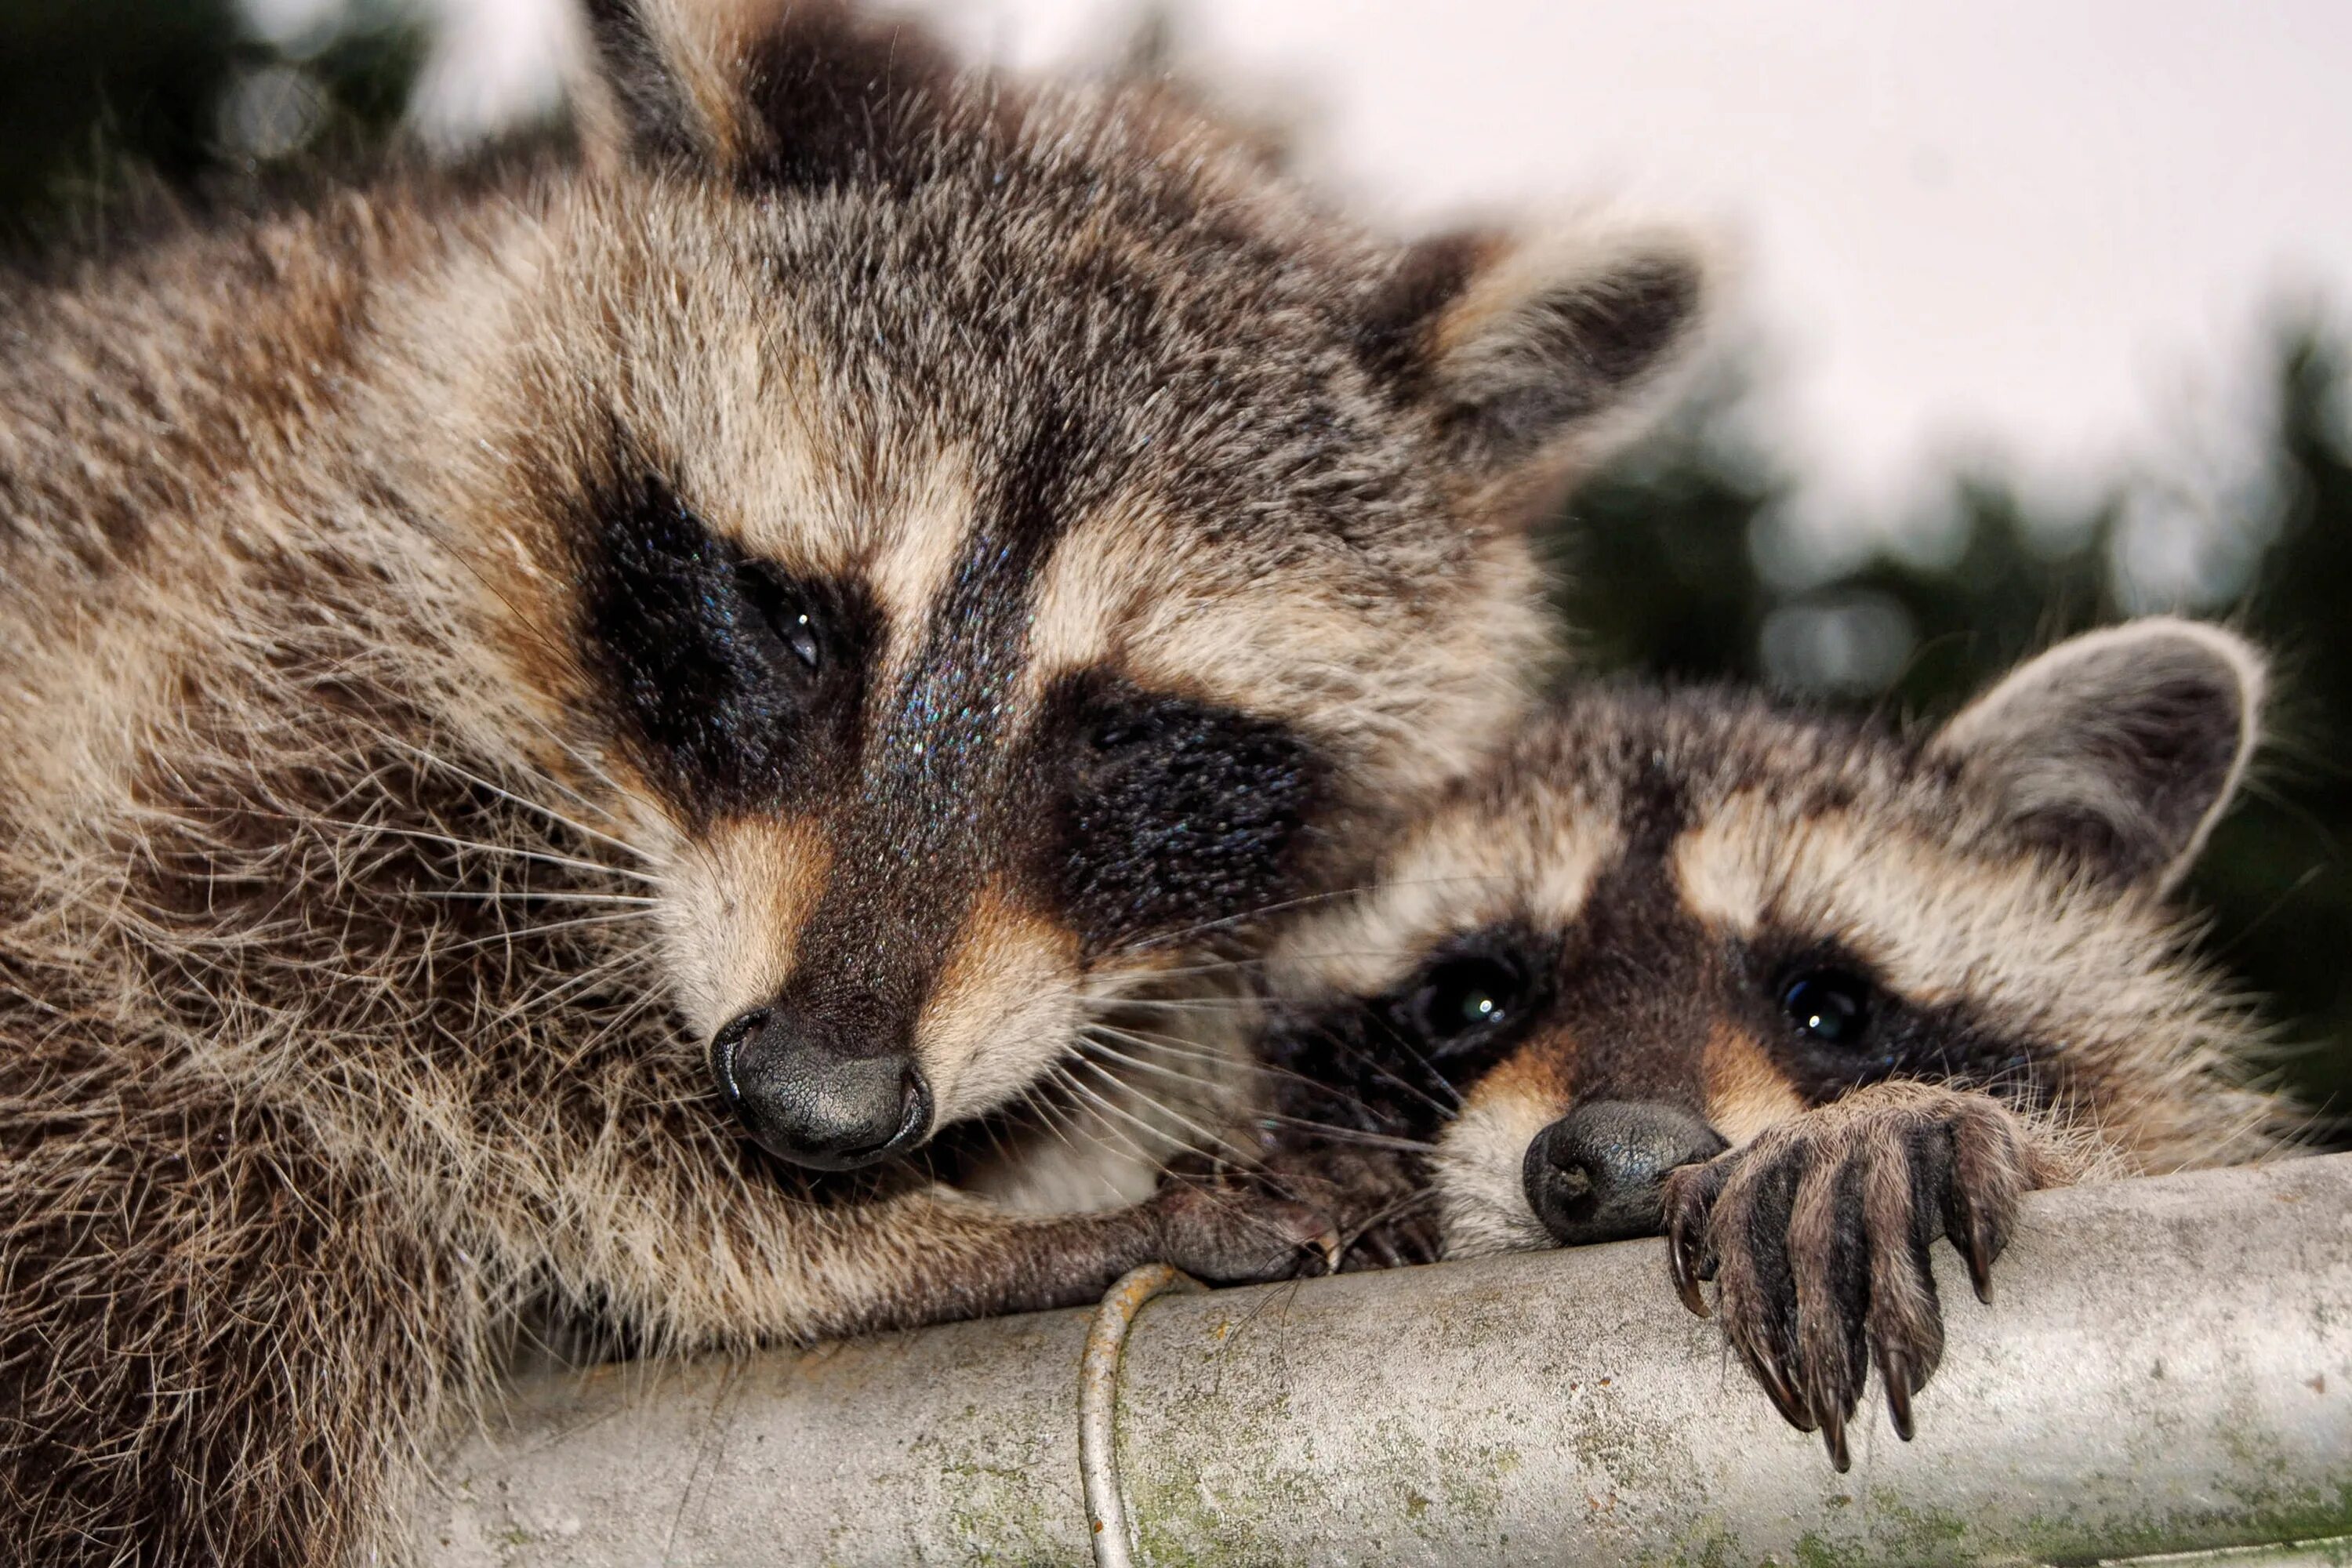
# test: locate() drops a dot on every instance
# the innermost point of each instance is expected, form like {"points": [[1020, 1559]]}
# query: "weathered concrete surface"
{"points": [[2167, 1368]]}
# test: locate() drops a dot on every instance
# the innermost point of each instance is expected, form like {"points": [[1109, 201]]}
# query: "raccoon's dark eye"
{"points": [[1468, 998], [786, 611], [1830, 1005]]}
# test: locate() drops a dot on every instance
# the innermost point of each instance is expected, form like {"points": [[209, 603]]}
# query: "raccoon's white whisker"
{"points": [[1045, 1099], [1208, 966], [1420, 1197], [1187, 934], [533, 895], [1141, 1064], [1332, 1130], [478, 846], [1166, 1003], [421, 755], [627, 1018], [1446, 1106], [1055, 1116], [595, 974], [1215, 1140], [577, 755], [1191, 933], [1127, 1145], [1337, 1133], [509, 938], [1172, 1045]]}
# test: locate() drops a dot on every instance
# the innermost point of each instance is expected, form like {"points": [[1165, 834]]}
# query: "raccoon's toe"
{"points": [[1234, 1234]]}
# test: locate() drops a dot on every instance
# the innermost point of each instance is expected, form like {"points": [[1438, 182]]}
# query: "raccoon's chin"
{"points": [[1478, 1229], [1479, 1173]]}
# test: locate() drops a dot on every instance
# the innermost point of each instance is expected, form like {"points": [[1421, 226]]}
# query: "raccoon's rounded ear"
{"points": [[1541, 355], [2118, 749], [772, 92]]}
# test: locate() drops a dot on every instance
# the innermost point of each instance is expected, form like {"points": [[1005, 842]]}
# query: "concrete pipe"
{"points": [[2167, 1368]]}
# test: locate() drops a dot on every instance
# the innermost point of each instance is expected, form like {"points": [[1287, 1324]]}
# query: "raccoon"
{"points": [[1799, 993], [559, 719]]}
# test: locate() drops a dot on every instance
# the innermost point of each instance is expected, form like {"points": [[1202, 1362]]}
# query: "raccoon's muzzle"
{"points": [[1599, 1173], [803, 1100]]}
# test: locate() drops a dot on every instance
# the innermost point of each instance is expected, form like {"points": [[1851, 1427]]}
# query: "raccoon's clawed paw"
{"points": [[1231, 1233], [1816, 1237]]}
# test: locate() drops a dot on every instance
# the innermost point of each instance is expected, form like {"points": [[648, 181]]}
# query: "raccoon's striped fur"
{"points": [[802, 606], [1805, 992]]}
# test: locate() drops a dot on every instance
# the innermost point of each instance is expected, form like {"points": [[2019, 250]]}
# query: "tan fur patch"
{"points": [[1477, 1167], [738, 906], [1745, 1090], [1003, 1007]]}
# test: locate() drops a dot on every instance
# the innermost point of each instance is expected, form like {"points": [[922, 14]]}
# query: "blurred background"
{"points": [[2039, 317]]}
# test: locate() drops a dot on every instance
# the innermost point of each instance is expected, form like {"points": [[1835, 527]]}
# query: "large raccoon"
{"points": [[1802, 994], [509, 676]]}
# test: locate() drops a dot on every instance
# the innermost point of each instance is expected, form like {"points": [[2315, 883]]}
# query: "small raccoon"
{"points": [[511, 677], [1797, 993]]}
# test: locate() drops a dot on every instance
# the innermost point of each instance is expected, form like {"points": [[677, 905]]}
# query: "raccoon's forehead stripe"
{"points": [[938, 747]]}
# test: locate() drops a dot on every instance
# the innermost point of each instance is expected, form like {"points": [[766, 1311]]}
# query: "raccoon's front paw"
{"points": [[1233, 1232], [1816, 1236]]}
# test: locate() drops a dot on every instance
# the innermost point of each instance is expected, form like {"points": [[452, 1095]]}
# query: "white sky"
{"points": [[2043, 229]]}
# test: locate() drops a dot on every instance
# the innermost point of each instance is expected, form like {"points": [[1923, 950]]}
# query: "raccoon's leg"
{"points": [[1816, 1235], [689, 1262], [212, 1349], [1001, 1263]]}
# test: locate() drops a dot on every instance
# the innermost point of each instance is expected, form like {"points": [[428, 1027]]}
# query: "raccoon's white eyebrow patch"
{"points": [[915, 558], [1101, 565], [1566, 857], [1939, 926], [1717, 869], [1236, 635], [1463, 871]]}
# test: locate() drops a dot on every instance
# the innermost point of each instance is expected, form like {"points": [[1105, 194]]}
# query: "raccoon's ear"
{"points": [[2118, 748], [771, 92], [1539, 355]]}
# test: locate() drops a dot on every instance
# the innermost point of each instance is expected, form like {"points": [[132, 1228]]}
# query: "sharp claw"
{"points": [[1979, 1263], [1968, 1234], [1894, 1367], [1327, 1243], [1834, 1433], [1685, 1280], [1783, 1395]]}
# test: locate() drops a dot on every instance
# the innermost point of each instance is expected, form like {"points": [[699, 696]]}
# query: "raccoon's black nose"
{"points": [[805, 1099], [1599, 1173]]}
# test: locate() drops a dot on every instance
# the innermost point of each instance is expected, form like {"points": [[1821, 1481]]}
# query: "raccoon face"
{"points": [[1666, 922], [995, 538]]}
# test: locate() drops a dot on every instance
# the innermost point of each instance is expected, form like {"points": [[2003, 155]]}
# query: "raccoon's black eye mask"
{"points": [[1829, 1022], [1174, 812], [1392, 1064], [722, 664], [1833, 1024], [1469, 1000]]}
